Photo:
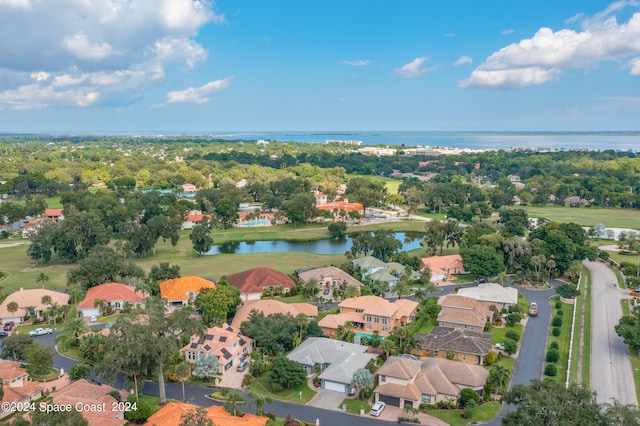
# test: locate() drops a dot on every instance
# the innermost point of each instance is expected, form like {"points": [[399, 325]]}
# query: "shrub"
{"points": [[553, 355], [558, 305], [560, 312], [510, 346], [553, 345], [513, 335], [490, 359], [603, 255], [467, 395], [556, 321], [555, 331], [142, 411], [512, 319], [550, 370], [567, 291]]}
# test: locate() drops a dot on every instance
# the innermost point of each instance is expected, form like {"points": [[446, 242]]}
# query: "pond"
{"points": [[410, 240]]}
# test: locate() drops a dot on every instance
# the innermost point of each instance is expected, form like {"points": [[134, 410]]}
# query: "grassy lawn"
{"points": [[430, 215], [151, 401], [53, 375], [323, 314], [635, 359], [614, 255], [575, 355], [353, 406], [483, 413], [563, 340], [392, 184], [261, 386], [498, 333], [586, 357], [300, 298], [610, 217]]}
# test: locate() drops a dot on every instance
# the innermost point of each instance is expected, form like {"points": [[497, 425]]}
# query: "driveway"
{"points": [[232, 378], [611, 374], [392, 413], [327, 399]]}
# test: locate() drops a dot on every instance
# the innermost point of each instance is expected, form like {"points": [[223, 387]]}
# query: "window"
{"points": [[436, 352], [359, 311], [464, 357], [426, 398], [368, 318], [376, 319], [368, 326], [384, 328], [384, 320], [383, 379]]}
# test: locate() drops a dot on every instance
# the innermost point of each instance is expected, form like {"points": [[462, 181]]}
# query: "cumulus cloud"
{"points": [[198, 95], [507, 31], [90, 53], [414, 68], [463, 60], [635, 66], [543, 57], [358, 63]]}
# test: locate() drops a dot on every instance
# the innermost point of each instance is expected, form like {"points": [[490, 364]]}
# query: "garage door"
{"points": [[334, 386], [389, 400]]}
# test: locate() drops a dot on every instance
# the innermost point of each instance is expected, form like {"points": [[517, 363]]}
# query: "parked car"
{"points": [[40, 331], [3, 334], [482, 280], [8, 326], [500, 346], [93, 318], [242, 366], [377, 408]]}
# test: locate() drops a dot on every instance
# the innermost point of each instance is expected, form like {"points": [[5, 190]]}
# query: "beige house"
{"points": [[443, 267], [405, 381], [464, 312], [370, 314], [329, 277], [226, 343], [502, 297], [30, 302], [270, 306], [465, 345], [17, 386], [90, 394]]}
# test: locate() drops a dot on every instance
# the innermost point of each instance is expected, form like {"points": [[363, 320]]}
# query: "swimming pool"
{"points": [[256, 223]]}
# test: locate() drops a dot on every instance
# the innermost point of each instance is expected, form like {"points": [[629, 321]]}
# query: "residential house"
{"points": [[575, 201], [369, 264], [329, 278], [183, 290], [90, 394], [224, 342], [321, 198], [193, 219], [411, 382], [464, 312], [270, 306], [17, 386], [464, 345], [376, 270], [443, 267], [54, 214], [33, 226], [30, 303], [338, 361], [171, 415], [370, 315], [114, 295], [337, 207], [502, 297], [189, 190], [254, 282]]}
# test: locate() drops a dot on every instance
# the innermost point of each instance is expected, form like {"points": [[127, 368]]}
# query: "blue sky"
{"points": [[199, 66]]}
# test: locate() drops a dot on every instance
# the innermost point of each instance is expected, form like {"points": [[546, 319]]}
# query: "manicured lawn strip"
{"points": [[427, 326], [575, 355], [261, 386], [299, 298], [618, 257], [499, 332], [322, 314], [619, 277], [563, 340], [610, 217], [430, 215], [635, 359], [353, 406], [586, 357], [151, 401], [391, 183], [483, 413]]}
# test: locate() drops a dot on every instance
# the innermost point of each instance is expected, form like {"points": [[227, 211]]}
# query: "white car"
{"points": [[500, 346], [377, 408]]}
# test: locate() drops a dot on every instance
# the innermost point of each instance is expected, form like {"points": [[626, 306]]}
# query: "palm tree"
{"points": [[182, 372], [233, 399], [259, 401], [387, 346], [498, 377], [75, 327], [351, 291], [503, 276], [401, 333], [311, 287], [12, 307], [99, 303], [420, 294], [42, 278], [74, 294], [431, 288], [54, 310], [401, 288], [301, 320], [46, 299]]}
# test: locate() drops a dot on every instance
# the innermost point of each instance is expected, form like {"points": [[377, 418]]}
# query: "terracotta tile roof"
{"points": [[464, 310], [328, 272], [455, 339], [32, 297], [465, 318], [10, 370], [412, 393], [179, 288], [374, 305], [401, 368], [196, 217], [112, 292], [406, 307], [443, 264], [256, 279], [340, 205], [53, 212], [270, 306], [171, 413], [89, 393], [216, 340], [335, 320]]}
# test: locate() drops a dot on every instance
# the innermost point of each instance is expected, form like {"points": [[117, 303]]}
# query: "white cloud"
{"points": [[198, 95], [88, 53], [414, 68], [507, 31], [574, 18], [358, 63], [544, 56], [635, 66], [463, 60]]}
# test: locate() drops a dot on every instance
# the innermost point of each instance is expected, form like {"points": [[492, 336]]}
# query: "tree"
{"points": [[200, 237], [510, 346], [75, 327], [498, 377], [273, 333], [226, 212], [434, 236], [40, 359], [401, 288], [217, 305], [351, 291], [233, 399], [362, 380], [366, 191], [285, 374], [337, 229], [79, 371], [515, 221], [206, 366], [387, 346], [482, 261], [103, 264], [629, 329], [197, 416], [60, 418], [43, 278], [259, 400], [12, 307], [182, 372], [53, 310], [15, 346], [164, 272]]}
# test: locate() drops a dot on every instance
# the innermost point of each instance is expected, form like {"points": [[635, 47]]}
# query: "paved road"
{"points": [[611, 374]]}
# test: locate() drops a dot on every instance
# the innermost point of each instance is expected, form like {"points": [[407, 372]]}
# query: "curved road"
{"points": [[611, 374]]}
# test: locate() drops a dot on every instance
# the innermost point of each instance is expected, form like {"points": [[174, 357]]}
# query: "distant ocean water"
{"points": [[476, 140]]}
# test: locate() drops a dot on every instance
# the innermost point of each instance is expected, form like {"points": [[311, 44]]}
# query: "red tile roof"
{"points": [[340, 205], [179, 288], [53, 212], [171, 413], [256, 279], [112, 292], [88, 393], [219, 341]]}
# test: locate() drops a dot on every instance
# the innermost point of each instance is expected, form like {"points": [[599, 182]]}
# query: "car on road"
{"points": [[500, 346], [3, 334], [40, 331], [377, 408]]}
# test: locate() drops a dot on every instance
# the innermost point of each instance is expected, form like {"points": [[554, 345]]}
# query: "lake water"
{"points": [[479, 140], [326, 246]]}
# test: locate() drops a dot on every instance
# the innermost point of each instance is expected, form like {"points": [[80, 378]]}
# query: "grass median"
{"points": [[633, 355], [562, 340]]}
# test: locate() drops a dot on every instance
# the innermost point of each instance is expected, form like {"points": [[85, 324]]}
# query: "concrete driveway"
{"points": [[232, 378], [392, 413], [327, 399]]}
